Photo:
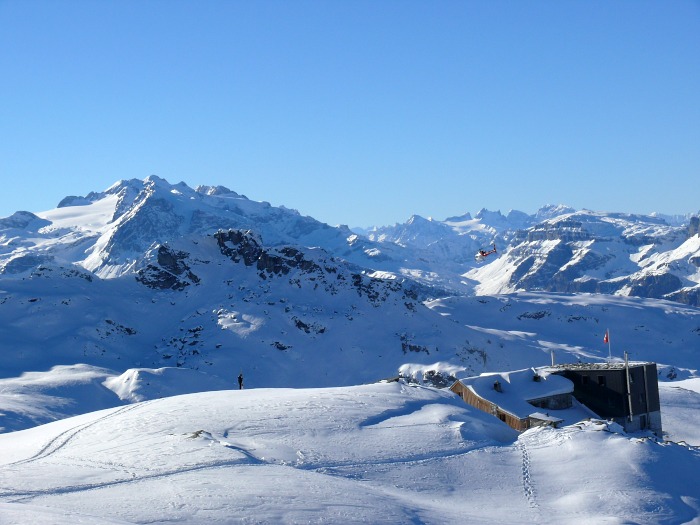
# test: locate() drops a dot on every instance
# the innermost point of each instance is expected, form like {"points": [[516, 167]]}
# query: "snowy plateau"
{"points": [[126, 316]]}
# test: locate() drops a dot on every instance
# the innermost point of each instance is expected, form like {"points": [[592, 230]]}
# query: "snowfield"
{"points": [[680, 410], [381, 453], [126, 316]]}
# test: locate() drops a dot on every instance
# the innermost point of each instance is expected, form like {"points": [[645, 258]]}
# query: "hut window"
{"points": [[601, 380]]}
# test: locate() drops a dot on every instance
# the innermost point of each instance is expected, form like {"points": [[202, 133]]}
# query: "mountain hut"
{"points": [[514, 396]]}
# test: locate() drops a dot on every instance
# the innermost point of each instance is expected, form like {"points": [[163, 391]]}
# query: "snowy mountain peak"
{"points": [[557, 249], [460, 218], [23, 220], [193, 287], [490, 217], [114, 232], [115, 228], [418, 220], [553, 210], [216, 190]]}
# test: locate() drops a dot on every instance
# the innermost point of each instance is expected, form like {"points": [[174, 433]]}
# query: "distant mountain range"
{"points": [[147, 275], [558, 249]]}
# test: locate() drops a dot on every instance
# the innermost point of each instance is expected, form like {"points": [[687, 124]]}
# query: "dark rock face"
{"points": [[655, 286], [577, 254], [286, 259], [694, 226], [25, 263], [376, 290], [239, 246], [689, 296], [170, 272], [73, 200], [246, 247], [565, 280], [566, 230], [147, 221], [328, 273], [438, 380]]}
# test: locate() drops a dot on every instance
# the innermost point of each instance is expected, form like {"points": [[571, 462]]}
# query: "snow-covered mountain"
{"points": [[111, 233], [559, 249], [114, 232], [134, 309], [146, 276]]}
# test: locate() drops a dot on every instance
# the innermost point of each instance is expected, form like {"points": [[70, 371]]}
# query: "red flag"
{"points": [[606, 338]]}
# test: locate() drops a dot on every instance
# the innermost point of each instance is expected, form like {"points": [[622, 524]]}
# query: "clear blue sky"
{"points": [[356, 112]]}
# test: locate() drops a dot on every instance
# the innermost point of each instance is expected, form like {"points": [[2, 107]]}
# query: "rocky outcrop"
{"points": [[24, 263], [245, 246], [690, 296], [327, 273], [239, 245], [170, 271], [694, 226], [565, 230], [655, 286]]}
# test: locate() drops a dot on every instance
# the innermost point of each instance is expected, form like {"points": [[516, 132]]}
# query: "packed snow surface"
{"points": [[382, 453]]}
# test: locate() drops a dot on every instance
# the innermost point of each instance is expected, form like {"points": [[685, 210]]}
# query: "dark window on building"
{"points": [[601, 380], [502, 417], [584, 380]]}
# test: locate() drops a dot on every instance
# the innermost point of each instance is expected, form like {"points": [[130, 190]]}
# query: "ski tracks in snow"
{"points": [[61, 440]]}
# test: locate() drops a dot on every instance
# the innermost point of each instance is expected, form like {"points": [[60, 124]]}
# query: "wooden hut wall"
{"points": [[482, 404], [472, 399]]}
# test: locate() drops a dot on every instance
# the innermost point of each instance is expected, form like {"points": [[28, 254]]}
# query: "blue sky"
{"points": [[356, 112]]}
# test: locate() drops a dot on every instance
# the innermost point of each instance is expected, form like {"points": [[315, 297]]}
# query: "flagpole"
{"points": [[607, 336]]}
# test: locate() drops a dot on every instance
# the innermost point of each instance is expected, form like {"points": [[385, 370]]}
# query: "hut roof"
{"points": [[517, 388], [545, 417], [612, 365]]}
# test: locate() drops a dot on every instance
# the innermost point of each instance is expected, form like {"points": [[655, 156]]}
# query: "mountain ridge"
{"points": [[148, 275]]}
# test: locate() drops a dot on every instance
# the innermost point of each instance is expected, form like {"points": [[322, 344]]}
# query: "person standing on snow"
{"points": [[240, 381]]}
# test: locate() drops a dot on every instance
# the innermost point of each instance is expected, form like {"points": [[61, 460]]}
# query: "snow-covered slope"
{"points": [[384, 453], [116, 303], [559, 249], [147, 276], [296, 330], [108, 233], [598, 252]]}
